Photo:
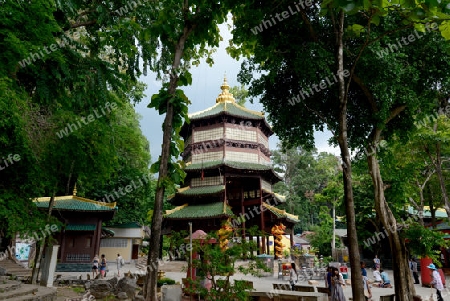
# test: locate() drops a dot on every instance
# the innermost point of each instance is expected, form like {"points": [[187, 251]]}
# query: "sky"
{"points": [[205, 88]]}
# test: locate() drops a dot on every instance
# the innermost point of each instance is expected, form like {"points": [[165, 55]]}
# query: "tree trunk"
{"points": [[403, 285], [40, 245], [356, 276], [150, 291], [441, 179], [69, 178], [432, 210]]}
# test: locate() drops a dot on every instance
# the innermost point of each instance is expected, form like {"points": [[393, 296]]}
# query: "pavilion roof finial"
{"points": [[225, 96], [74, 189]]}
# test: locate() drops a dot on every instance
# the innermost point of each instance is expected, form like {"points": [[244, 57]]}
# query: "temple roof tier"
{"points": [[231, 164], [198, 191], [282, 214], [226, 110], [75, 203], [211, 210]]}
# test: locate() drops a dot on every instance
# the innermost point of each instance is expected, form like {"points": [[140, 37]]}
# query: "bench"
{"points": [[303, 288], [282, 286], [325, 290]]}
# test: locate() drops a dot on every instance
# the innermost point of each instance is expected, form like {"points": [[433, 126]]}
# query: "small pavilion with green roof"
{"points": [[82, 218], [229, 173]]}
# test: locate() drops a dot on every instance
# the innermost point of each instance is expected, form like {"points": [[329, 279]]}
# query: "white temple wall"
{"points": [[240, 134], [195, 182], [210, 134], [263, 140], [241, 156], [207, 156]]}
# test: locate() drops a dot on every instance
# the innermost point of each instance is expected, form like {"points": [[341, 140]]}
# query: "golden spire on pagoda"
{"points": [[74, 189], [225, 96]]}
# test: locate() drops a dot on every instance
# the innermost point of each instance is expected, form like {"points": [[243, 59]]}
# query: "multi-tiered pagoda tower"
{"points": [[229, 172]]}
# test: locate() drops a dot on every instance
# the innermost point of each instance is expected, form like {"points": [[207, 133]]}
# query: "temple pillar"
{"points": [[262, 227], [292, 237], [243, 211], [258, 247]]}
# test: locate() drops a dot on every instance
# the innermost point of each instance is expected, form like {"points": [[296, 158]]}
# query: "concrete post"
{"points": [[49, 266]]}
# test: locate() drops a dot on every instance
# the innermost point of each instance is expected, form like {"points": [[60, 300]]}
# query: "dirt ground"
{"points": [[65, 292]]}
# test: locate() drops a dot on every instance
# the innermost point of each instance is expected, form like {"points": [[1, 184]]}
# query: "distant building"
{"points": [[301, 243], [126, 241]]}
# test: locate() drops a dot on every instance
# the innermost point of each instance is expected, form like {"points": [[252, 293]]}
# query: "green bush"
{"points": [[163, 281]]}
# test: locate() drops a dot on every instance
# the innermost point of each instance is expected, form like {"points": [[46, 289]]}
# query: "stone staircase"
{"points": [[9, 267], [141, 263], [13, 290]]}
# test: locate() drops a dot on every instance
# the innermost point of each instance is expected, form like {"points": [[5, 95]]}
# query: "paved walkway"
{"points": [[177, 270]]}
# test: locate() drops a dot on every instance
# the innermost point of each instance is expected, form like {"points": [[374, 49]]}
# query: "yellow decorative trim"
{"points": [[292, 216], [203, 111], [248, 110], [282, 212], [110, 205], [183, 189], [280, 196], [74, 197], [178, 191], [168, 212]]}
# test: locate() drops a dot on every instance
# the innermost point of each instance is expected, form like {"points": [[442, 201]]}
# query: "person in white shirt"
{"points": [[437, 281], [120, 262], [377, 275], [293, 275], [367, 290]]}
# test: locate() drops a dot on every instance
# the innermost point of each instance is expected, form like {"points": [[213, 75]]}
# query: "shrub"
{"points": [[163, 281]]}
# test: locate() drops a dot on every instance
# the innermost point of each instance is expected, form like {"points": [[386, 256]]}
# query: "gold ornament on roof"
{"points": [[74, 189], [225, 96]]}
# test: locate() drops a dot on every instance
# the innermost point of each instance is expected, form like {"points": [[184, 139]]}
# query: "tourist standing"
{"points": [[328, 283], [415, 271], [337, 282], [103, 266], [120, 262], [376, 262], [95, 262], [363, 269], [293, 275], [436, 281]]}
